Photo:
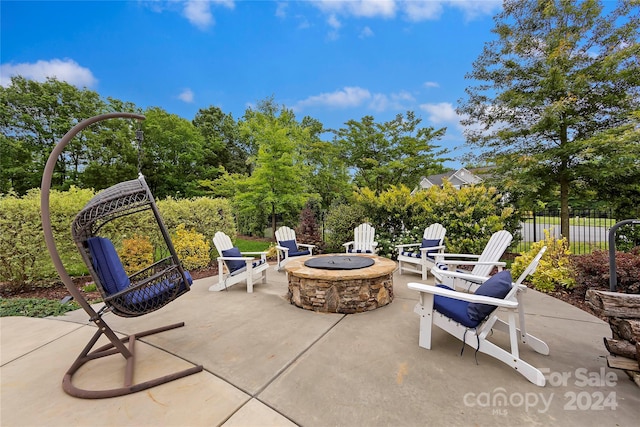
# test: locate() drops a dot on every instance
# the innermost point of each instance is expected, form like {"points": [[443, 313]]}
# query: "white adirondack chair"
{"points": [[288, 247], [483, 264], [364, 240], [235, 267], [459, 313], [420, 260]]}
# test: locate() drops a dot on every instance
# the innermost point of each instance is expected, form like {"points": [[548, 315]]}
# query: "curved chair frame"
{"points": [[122, 199]]}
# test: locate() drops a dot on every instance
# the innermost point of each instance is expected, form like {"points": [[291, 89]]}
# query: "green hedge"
{"points": [[24, 257]]}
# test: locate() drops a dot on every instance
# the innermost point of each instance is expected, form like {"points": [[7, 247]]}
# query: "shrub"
{"points": [[592, 270], [192, 248], [136, 254], [308, 231], [470, 215], [25, 258], [555, 268], [34, 307], [339, 224]]}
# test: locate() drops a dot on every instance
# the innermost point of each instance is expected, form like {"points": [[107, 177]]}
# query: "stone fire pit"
{"points": [[336, 290]]}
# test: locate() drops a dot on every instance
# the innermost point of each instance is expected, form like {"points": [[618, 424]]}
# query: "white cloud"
{"points": [[353, 97], [359, 8], [440, 113], [281, 9], [431, 84], [198, 12], [186, 95], [366, 32], [473, 9], [413, 10], [66, 70], [422, 10], [344, 98], [333, 21]]}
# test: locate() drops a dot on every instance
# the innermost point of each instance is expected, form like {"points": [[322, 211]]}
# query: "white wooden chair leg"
{"points": [[425, 310]]}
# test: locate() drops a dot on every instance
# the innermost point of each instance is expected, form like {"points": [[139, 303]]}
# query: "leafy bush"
{"points": [[592, 270], [25, 259], [470, 215], [136, 253], [34, 307], [339, 224], [24, 254], [192, 248], [555, 268], [308, 231]]}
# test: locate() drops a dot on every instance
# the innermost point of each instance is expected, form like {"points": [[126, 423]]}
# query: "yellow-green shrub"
{"points": [[136, 253], [25, 258], [192, 248], [555, 267]]}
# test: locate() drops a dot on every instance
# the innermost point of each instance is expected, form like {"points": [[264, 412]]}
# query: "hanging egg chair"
{"points": [[127, 296]]}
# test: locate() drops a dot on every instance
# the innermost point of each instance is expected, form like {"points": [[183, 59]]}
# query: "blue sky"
{"points": [[333, 60]]}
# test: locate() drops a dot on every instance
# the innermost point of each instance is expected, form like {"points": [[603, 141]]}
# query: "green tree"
{"points": [[277, 185], [329, 176], [558, 74], [223, 149], [34, 116], [391, 153], [171, 154]]}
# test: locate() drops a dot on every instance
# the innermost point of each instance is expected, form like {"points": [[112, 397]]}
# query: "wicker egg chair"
{"points": [[127, 296]]}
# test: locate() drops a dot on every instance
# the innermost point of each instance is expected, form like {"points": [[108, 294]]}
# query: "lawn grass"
{"points": [[252, 245]]}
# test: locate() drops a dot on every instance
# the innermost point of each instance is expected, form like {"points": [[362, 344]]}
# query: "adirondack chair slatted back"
{"points": [[364, 235], [222, 242], [493, 251], [285, 233], [435, 232]]}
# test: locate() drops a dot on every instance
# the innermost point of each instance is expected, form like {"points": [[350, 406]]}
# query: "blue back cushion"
{"points": [[454, 309], [498, 286], [233, 265], [429, 243], [107, 265], [289, 244]]}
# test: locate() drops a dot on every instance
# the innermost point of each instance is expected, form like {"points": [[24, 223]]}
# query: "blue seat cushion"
{"points": [[498, 286], [233, 265], [254, 264], [157, 293], [107, 265], [454, 309]]}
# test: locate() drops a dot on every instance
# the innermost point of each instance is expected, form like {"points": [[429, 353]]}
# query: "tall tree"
{"points": [[559, 73], [223, 148], [171, 153], [277, 185], [34, 117], [391, 153]]}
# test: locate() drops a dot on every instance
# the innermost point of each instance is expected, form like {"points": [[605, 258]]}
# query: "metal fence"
{"points": [[588, 229]]}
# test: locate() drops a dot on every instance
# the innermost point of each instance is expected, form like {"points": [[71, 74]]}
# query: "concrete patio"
{"points": [[269, 363]]}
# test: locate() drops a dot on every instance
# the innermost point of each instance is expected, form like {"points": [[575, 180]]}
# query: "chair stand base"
{"points": [[117, 347]]}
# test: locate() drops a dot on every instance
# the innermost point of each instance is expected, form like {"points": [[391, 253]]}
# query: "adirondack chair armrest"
{"points": [[448, 257], [459, 275], [407, 245], [434, 290], [306, 245], [282, 248], [454, 262], [431, 248], [346, 245], [236, 258]]}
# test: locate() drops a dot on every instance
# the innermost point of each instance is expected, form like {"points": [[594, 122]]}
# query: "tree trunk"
{"points": [[564, 209], [626, 329]]}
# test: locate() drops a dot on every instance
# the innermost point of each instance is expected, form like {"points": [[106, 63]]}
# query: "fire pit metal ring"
{"points": [[339, 262]]}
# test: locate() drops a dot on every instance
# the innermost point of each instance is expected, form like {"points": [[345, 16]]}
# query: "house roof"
{"points": [[458, 178]]}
